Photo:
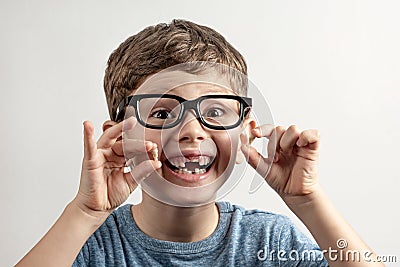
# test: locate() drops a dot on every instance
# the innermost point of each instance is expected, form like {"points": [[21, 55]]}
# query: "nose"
{"points": [[191, 129]]}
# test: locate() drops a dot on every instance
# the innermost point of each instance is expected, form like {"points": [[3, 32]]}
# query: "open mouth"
{"points": [[190, 164]]}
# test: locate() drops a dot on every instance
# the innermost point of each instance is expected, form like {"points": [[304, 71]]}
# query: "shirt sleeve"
{"points": [[82, 260], [296, 249]]}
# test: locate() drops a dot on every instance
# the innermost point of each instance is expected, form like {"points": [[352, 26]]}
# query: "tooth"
{"points": [[196, 170], [173, 161], [177, 162], [207, 160], [181, 163], [201, 160], [202, 171], [195, 160]]}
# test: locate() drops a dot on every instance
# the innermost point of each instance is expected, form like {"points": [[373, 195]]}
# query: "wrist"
{"points": [[90, 217], [295, 202]]}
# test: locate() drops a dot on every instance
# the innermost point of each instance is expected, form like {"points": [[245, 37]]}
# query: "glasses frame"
{"points": [[133, 100]]}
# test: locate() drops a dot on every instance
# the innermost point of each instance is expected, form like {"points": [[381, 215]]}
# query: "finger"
{"points": [[264, 130], [113, 159], [289, 138], [274, 142], [132, 147], [309, 138], [89, 142], [108, 138], [141, 172], [244, 139], [255, 159]]}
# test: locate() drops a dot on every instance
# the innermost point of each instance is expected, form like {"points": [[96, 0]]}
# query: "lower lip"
{"points": [[190, 178]]}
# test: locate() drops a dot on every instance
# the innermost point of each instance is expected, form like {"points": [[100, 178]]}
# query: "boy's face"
{"points": [[193, 145], [192, 154]]}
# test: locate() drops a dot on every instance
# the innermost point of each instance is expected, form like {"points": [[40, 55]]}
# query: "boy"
{"points": [[91, 232]]}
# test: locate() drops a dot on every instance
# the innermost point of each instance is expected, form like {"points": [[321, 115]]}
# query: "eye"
{"points": [[162, 114], [214, 112]]}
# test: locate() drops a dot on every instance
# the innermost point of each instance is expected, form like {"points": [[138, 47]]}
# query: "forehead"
{"points": [[185, 84]]}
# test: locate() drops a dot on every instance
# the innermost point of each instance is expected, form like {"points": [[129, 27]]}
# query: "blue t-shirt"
{"points": [[242, 238]]}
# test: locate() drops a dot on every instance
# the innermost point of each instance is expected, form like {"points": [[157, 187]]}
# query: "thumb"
{"points": [[140, 172], [255, 159]]}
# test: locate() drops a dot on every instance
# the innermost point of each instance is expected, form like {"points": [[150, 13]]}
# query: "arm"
{"points": [[103, 187], [293, 173], [331, 231], [62, 243]]}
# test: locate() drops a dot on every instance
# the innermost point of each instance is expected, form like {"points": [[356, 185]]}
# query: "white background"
{"points": [[330, 65]]}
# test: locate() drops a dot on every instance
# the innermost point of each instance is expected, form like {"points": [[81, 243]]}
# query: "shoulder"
{"points": [[254, 226], [263, 227], [263, 234], [109, 233], [105, 241], [251, 218]]}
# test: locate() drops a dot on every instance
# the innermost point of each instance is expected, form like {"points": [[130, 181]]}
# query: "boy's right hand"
{"points": [[104, 185]]}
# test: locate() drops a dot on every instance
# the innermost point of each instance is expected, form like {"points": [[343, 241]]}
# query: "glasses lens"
{"points": [[220, 111], [159, 112]]}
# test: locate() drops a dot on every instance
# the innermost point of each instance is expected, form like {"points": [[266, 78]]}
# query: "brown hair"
{"points": [[161, 46]]}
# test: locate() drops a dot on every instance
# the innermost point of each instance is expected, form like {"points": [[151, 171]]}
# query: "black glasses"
{"points": [[163, 111]]}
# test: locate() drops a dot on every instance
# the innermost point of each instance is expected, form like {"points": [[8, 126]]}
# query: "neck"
{"points": [[178, 224]]}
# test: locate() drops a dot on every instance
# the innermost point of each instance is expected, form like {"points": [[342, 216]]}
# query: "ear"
{"points": [[248, 125], [107, 124]]}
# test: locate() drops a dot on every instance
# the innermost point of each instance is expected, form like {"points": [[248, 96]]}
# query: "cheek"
{"points": [[227, 144]]}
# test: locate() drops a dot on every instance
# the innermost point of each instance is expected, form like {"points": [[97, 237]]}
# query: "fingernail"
{"points": [[128, 123], [256, 131], [125, 125], [148, 144]]}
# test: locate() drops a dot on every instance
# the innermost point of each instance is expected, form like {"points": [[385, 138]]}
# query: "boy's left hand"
{"points": [[294, 169]]}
